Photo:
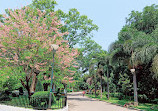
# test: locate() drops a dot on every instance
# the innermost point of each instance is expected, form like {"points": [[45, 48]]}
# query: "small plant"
{"points": [[98, 92], [121, 96], [69, 90], [142, 98], [40, 100]]}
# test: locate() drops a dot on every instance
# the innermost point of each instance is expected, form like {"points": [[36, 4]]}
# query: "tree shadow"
{"points": [[81, 99], [77, 94]]}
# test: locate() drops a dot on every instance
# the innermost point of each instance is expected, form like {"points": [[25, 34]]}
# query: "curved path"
{"points": [[77, 102]]}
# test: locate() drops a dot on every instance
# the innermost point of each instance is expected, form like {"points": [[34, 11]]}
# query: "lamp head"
{"points": [[54, 46], [132, 70]]}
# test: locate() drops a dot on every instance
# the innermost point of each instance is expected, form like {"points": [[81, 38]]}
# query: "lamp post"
{"points": [[135, 87], [54, 48]]}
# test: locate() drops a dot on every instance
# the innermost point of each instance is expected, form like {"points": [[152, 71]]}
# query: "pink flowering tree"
{"points": [[25, 43]]}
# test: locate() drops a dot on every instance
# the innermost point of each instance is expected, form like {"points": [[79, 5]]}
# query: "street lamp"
{"points": [[54, 48], [132, 70], [135, 87]]}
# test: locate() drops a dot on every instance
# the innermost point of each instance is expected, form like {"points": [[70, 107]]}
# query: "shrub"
{"points": [[40, 100], [4, 97], [155, 101], [115, 95], [15, 93], [58, 94], [69, 90], [104, 93], [121, 96], [21, 92], [98, 92], [142, 98]]}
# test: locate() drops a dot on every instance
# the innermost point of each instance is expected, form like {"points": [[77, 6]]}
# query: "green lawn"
{"points": [[23, 101], [143, 106]]}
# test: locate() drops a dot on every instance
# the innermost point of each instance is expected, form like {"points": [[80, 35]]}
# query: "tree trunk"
{"points": [[33, 84], [45, 86], [26, 85], [108, 83], [101, 87], [95, 91], [95, 86], [135, 89], [72, 89]]}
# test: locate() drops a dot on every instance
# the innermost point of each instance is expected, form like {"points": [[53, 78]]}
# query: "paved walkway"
{"points": [[77, 102]]}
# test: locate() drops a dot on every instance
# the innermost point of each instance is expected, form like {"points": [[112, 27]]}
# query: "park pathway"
{"points": [[77, 102]]}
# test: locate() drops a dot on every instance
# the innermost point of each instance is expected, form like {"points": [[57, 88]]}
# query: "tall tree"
{"points": [[25, 42], [78, 26]]}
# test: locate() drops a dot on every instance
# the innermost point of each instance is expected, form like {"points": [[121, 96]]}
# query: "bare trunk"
{"points": [[135, 89], [95, 91], [95, 86], [101, 87], [108, 83]]}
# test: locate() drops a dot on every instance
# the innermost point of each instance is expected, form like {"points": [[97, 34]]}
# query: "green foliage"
{"points": [[41, 99], [145, 21], [78, 26], [113, 100], [98, 92], [80, 29], [83, 86], [142, 98], [4, 96], [69, 90], [47, 5], [39, 86], [125, 84], [137, 48], [1, 18], [9, 80]]}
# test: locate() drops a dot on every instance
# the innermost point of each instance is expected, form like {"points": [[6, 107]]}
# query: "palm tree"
{"points": [[136, 49], [92, 72]]}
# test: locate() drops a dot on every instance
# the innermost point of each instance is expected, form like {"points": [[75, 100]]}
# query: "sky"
{"points": [[109, 15]]}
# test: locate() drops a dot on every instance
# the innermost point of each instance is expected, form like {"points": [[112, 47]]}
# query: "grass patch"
{"points": [[23, 101], [142, 106], [58, 104]]}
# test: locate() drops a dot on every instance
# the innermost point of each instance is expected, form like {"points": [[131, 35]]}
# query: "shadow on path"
{"points": [[74, 94], [80, 99], [77, 102]]}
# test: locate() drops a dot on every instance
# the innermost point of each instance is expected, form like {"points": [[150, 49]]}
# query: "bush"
{"points": [[58, 94], [155, 101], [69, 90], [121, 96], [4, 97], [15, 93], [98, 92], [142, 98], [115, 94], [40, 100]]}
